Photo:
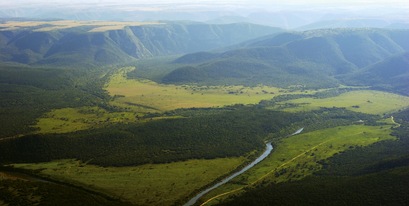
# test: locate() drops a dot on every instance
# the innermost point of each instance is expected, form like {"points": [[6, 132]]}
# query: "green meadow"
{"points": [[74, 119], [145, 95], [366, 101], [296, 157], [151, 184], [139, 97]]}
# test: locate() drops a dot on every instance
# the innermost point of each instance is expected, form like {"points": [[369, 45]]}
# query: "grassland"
{"points": [[140, 96], [98, 26], [74, 119], [148, 95], [152, 184], [366, 101], [296, 157]]}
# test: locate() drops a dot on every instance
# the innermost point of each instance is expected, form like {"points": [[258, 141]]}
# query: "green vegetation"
{"points": [[356, 176], [298, 156], [381, 76], [384, 188], [15, 189], [226, 133], [366, 101], [144, 95], [82, 118], [312, 59], [26, 93], [184, 122], [151, 184], [95, 44], [204, 133]]}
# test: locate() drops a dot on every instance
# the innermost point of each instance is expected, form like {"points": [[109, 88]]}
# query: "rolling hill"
{"points": [[311, 58], [391, 74]]}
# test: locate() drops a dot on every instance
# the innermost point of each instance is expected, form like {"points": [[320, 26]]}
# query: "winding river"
{"points": [[268, 150]]}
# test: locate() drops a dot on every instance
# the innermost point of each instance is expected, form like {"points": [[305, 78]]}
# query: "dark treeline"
{"points": [[44, 193], [373, 175], [319, 95], [402, 116], [233, 131], [384, 188]]}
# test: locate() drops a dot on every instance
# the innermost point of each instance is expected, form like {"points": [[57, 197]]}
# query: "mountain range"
{"points": [[238, 53], [81, 47], [315, 58]]}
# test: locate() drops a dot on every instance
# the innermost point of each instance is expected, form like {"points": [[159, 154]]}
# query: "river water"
{"points": [[268, 150], [297, 132]]}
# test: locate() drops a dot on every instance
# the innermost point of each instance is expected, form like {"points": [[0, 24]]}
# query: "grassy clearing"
{"points": [[297, 157], [147, 95], [153, 184], [74, 119], [366, 101], [139, 97]]}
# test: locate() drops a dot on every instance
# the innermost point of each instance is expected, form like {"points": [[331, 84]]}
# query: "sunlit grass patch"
{"points": [[366, 101], [74, 119], [152, 184], [162, 97]]}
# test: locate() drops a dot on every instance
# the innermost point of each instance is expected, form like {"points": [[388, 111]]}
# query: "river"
{"points": [[297, 132], [268, 150]]}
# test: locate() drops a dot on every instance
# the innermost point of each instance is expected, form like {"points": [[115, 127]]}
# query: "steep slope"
{"points": [[77, 46], [311, 58], [391, 74]]}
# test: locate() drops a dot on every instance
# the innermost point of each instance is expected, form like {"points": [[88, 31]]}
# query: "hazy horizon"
{"points": [[289, 14]]}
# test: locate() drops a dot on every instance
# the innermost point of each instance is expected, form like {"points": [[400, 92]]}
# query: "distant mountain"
{"points": [[391, 74], [77, 46], [311, 58], [356, 23]]}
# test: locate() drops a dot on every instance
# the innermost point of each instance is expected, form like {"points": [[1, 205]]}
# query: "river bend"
{"points": [[268, 150]]}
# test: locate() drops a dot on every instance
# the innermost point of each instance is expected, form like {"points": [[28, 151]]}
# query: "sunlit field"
{"points": [[366, 101], [152, 184], [148, 95], [74, 119]]}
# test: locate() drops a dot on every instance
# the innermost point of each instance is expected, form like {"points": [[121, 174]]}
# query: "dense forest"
{"points": [[28, 92], [235, 131]]}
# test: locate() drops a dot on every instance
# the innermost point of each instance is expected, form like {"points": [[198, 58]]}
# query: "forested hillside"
{"points": [[82, 46], [311, 58], [391, 74], [28, 92]]}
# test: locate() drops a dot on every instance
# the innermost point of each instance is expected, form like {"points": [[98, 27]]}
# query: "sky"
{"points": [[366, 2]]}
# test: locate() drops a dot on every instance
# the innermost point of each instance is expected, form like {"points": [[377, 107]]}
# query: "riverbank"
{"points": [[268, 150]]}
